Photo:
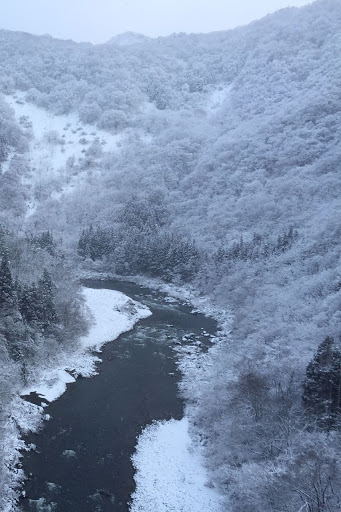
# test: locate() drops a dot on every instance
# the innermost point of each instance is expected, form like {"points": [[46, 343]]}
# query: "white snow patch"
{"points": [[55, 139], [114, 313], [41, 505], [27, 417], [5, 165], [44, 122], [51, 385], [170, 472], [217, 98]]}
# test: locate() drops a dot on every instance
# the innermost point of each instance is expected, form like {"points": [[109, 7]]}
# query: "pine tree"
{"points": [[322, 385], [29, 303], [2, 241], [48, 313], [95, 243], [84, 242], [6, 284], [36, 302]]}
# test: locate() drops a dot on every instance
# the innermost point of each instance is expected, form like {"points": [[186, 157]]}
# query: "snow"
{"points": [[51, 384], [42, 506], [56, 153], [44, 122], [170, 472], [48, 157], [28, 417], [5, 165], [217, 98], [22, 417], [113, 313]]}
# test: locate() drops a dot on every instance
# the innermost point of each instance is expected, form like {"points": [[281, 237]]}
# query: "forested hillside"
{"points": [[41, 313], [212, 160]]}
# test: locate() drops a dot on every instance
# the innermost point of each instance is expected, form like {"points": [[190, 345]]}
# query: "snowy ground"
{"points": [[113, 313], [69, 129], [54, 141], [217, 98], [170, 472]]}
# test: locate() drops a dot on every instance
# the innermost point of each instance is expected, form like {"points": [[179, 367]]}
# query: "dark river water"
{"points": [[82, 462]]}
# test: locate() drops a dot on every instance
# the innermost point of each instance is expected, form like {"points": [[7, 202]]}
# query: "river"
{"points": [[82, 461]]}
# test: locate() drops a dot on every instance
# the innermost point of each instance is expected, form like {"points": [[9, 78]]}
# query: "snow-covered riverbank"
{"points": [[169, 458], [170, 472], [113, 313]]}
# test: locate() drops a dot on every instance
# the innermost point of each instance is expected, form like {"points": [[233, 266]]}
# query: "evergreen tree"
{"points": [[84, 242], [36, 302], [6, 283], [29, 303], [322, 385], [2, 241], [44, 241], [48, 313], [95, 243]]}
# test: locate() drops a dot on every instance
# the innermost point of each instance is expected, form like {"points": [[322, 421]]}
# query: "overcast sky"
{"points": [[98, 20]]}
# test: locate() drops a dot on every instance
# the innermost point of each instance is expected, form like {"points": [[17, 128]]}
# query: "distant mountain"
{"points": [[128, 39]]}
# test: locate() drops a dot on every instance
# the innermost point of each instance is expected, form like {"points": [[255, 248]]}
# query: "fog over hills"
{"points": [[211, 161]]}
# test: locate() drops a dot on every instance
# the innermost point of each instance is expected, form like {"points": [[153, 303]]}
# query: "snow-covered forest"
{"points": [[211, 161]]}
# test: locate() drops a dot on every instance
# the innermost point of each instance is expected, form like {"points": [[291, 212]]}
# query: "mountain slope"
{"points": [[226, 173]]}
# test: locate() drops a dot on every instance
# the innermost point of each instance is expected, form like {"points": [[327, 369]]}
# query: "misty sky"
{"points": [[98, 20]]}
